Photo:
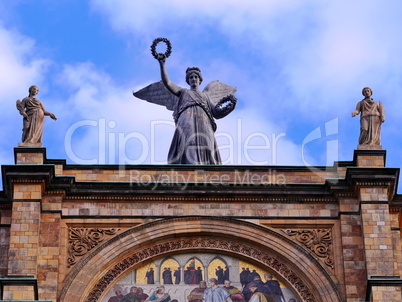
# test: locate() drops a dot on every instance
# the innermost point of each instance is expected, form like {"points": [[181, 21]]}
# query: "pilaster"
{"points": [[24, 237], [375, 188]]}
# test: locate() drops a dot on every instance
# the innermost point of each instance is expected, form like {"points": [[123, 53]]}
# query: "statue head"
{"points": [[32, 88], [192, 70], [367, 89]]}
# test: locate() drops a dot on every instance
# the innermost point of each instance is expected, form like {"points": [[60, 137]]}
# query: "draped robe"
{"points": [[194, 139]]}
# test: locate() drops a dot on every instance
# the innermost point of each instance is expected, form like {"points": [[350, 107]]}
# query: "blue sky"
{"points": [[299, 68]]}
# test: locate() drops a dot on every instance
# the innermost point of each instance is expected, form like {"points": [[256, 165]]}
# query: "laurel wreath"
{"points": [[230, 98], [224, 110], [168, 48]]}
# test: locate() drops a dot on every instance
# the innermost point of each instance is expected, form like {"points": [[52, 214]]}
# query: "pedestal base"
{"points": [[35, 145], [369, 147]]}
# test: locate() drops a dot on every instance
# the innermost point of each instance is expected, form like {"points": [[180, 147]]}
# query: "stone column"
{"points": [[49, 266], [24, 238], [352, 248], [374, 195]]}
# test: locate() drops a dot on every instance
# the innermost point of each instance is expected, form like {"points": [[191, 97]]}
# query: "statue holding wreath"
{"points": [[194, 111]]}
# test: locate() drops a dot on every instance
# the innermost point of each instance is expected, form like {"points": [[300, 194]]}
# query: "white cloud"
{"points": [[21, 68], [293, 62], [145, 16], [351, 48], [110, 118], [318, 52], [19, 64]]}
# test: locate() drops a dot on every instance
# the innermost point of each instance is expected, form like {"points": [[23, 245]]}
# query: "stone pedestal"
{"points": [[369, 147], [369, 158], [35, 145], [29, 156]]}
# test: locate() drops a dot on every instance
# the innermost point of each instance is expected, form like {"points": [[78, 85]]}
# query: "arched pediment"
{"points": [[293, 263]]}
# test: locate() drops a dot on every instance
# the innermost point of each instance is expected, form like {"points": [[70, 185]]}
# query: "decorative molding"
{"points": [[258, 199], [156, 250], [82, 240], [319, 241], [394, 210], [374, 183], [56, 192], [27, 181], [345, 194]]}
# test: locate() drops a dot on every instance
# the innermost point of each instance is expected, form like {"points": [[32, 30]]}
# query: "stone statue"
{"points": [[34, 113], [194, 112], [372, 115]]}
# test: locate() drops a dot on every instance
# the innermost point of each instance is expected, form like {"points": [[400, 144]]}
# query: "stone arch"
{"points": [[167, 258], [214, 258], [95, 272], [193, 257]]}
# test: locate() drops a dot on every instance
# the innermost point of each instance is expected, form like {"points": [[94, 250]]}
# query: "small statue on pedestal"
{"points": [[372, 115], [34, 113]]}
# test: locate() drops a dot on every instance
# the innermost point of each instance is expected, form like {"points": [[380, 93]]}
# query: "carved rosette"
{"points": [[82, 240], [214, 244], [319, 241]]}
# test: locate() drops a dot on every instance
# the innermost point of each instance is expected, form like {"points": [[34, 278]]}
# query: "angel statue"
{"points": [[194, 112], [34, 113]]}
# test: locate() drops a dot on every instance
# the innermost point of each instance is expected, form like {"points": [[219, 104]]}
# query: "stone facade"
{"points": [[328, 233]]}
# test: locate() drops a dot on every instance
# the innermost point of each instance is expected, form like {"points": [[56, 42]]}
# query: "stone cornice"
{"points": [[374, 177]]}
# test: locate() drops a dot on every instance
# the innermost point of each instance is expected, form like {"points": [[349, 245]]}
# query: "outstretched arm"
{"points": [[357, 111], [172, 87], [52, 116]]}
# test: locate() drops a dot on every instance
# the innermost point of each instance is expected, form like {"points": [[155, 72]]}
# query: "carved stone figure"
{"points": [[34, 113], [372, 115], [194, 112]]}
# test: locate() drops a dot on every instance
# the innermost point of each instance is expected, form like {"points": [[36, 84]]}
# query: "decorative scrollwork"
{"points": [[141, 255], [82, 240], [319, 241]]}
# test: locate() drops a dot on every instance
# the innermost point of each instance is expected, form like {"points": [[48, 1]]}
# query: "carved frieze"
{"points": [[318, 241], [82, 240], [144, 254]]}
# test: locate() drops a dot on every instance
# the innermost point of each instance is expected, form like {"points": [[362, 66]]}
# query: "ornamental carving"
{"points": [[82, 240], [145, 254], [318, 241]]}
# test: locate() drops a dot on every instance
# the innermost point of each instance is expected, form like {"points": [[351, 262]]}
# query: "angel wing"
{"points": [[157, 93], [217, 91]]}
